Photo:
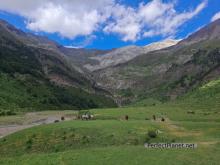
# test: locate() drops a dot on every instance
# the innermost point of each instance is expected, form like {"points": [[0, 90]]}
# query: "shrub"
{"points": [[29, 143], [152, 134], [56, 149]]}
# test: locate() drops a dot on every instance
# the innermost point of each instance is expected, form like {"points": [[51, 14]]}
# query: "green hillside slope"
{"points": [[38, 79], [206, 96]]}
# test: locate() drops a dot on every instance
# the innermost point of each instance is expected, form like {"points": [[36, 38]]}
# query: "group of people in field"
{"points": [[87, 117]]}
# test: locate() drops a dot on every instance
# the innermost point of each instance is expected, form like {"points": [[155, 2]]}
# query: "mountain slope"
{"points": [[168, 73], [125, 54], [210, 32], [162, 71], [41, 78], [207, 96]]}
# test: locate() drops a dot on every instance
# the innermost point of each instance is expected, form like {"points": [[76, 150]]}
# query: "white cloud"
{"points": [[73, 47], [154, 10], [72, 18], [149, 19], [57, 19], [125, 23], [168, 22], [87, 41], [216, 16]]}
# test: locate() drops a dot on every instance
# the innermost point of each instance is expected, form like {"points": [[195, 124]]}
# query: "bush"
{"points": [[29, 143], [152, 134]]}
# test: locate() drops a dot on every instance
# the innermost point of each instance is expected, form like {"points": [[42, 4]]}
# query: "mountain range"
{"points": [[35, 73], [167, 73], [39, 73], [125, 54]]}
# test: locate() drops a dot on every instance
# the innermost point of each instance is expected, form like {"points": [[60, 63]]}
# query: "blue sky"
{"points": [[107, 24]]}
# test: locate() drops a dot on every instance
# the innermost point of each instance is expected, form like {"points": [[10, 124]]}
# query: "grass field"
{"points": [[109, 139]]}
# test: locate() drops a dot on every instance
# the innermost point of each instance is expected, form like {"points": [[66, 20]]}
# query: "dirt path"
{"points": [[31, 120], [9, 129]]}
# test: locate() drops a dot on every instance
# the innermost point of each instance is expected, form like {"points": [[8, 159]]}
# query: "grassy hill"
{"points": [[111, 140], [206, 96]]}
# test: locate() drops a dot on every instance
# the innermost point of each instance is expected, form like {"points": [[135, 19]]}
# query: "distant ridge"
{"points": [[125, 54]]}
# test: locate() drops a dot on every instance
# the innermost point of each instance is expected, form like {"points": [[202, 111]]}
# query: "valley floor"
{"points": [[110, 139], [12, 124]]}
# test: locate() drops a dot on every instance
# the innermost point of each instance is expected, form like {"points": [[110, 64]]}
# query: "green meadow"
{"points": [[110, 139]]}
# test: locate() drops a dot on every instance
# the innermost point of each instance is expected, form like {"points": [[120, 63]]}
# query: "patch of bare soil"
{"points": [[33, 119], [178, 131], [9, 129]]}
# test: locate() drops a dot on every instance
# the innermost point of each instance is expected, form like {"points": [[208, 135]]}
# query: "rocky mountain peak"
{"points": [[125, 54]]}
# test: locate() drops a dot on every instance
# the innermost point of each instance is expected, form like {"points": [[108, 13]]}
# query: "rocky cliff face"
{"points": [[125, 54]]}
